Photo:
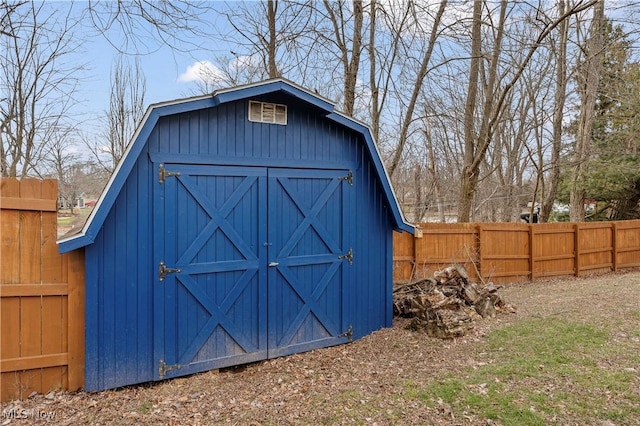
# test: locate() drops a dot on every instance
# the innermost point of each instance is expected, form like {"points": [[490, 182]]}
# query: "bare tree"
{"points": [[560, 52], [497, 87], [541, 97], [126, 109], [588, 81], [143, 26], [126, 106], [417, 88], [271, 42], [37, 83], [271, 39], [227, 71], [60, 164], [349, 46], [507, 161], [435, 175], [5, 17]]}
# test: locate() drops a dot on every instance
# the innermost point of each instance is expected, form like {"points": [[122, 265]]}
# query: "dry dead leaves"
{"points": [[375, 380]]}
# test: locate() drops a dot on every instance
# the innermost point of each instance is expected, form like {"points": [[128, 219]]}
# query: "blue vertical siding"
{"points": [[119, 273], [93, 321], [224, 134], [373, 266], [120, 265]]}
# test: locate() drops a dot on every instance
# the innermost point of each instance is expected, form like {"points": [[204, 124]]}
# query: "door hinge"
{"points": [[163, 368], [163, 173], [348, 178], [163, 271], [348, 256], [348, 333]]}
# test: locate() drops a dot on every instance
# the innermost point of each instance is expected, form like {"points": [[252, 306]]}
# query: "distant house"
{"points": [[67, 203]]}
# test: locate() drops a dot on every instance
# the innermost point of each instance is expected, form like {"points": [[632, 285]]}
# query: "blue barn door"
{"points": [[311, 229], [210, 307], [251, 263]]}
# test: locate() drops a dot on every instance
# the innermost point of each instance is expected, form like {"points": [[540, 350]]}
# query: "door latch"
{"points": [[163, 271]]}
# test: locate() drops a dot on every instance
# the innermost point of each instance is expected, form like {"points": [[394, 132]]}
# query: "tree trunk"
{"points": [[590, 78], [432, 169], [469, 178], [350, 64], [272, 8], [353, 66], [558, 117], [373, 71]]}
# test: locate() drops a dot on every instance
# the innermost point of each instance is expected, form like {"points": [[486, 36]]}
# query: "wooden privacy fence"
{"points": [[41, 295], [511, 252]]}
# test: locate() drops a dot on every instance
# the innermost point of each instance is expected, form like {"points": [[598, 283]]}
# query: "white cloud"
{"points": [[202, 71]]}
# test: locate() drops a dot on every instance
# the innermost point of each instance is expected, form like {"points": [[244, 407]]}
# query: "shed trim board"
{"points": [[220, 241]]}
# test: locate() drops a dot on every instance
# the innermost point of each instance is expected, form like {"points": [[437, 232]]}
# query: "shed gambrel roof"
{"points": [[108, 197]]}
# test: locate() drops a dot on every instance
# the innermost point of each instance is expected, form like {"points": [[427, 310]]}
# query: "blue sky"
{"points": [[162, 70], [166, 71]]}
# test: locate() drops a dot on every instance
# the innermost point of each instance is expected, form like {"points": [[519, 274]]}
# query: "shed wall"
{"points": [[119, 289], [119, 264]]}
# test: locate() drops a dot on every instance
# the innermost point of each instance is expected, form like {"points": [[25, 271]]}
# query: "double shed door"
{"points": [[253, 263]]}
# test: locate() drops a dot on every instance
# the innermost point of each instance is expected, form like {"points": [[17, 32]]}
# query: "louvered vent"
{"points": [[264, 112]]}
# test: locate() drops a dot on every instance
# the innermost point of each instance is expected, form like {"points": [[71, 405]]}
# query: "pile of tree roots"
{"points": [[447, 305]]}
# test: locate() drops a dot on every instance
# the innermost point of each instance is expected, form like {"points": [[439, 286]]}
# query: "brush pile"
{"points": [[447, 305]]}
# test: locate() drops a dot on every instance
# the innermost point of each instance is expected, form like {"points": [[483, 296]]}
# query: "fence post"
{"points": [[531, 253], [414, 264], [614, 246], [576, 243], [76, 322]]}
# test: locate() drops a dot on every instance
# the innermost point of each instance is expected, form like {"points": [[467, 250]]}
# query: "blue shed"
{"points": [[248, 224]]}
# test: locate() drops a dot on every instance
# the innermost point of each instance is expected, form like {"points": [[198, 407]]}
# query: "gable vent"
{"points": [[264, 112]]}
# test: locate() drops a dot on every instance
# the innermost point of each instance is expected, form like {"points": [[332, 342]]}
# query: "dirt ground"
{"points": [[364, 382]]}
